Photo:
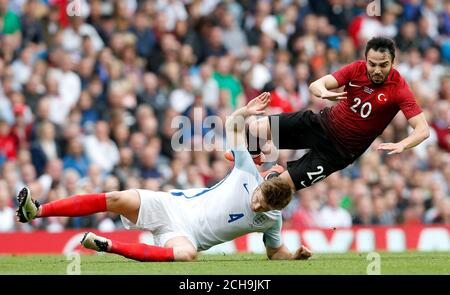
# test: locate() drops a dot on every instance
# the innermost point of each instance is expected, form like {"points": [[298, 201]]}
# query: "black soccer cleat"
{"points": [[28, 208], [94, 242]]}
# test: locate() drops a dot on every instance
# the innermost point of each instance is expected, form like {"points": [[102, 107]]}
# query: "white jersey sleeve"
{"points": [[243, 161], [272, 236]]}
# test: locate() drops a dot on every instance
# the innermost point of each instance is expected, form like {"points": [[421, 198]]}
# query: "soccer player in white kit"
{"points": [[184, 222]]}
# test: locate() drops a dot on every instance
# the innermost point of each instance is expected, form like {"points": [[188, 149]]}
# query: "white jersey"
{"points": [[222, 213]]}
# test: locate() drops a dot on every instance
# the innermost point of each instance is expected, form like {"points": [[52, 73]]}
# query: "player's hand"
{"points": [[257, 105], [394, 148], [302, 253], [333, 96]]}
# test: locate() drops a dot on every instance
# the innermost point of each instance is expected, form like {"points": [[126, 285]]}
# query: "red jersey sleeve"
{"points": [[345, 74], [406, 101]]}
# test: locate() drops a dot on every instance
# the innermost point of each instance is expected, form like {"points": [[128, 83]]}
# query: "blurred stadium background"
{"points": [[89, 89]]}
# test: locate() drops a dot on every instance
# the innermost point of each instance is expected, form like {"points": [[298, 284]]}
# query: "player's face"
{"points": [[379, 65], [258, 203]]}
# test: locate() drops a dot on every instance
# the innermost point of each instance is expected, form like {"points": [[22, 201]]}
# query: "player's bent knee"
{"points": [[119, 201]]}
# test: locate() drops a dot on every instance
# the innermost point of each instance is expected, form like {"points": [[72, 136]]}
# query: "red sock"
{"points": [[78, 205], [142, 252]]}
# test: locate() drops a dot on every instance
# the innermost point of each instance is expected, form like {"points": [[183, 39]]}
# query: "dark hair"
{"points": [[381, 44], [277, 192]]}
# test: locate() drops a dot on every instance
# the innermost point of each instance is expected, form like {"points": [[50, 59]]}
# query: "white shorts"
{"points": [[160, 214]]}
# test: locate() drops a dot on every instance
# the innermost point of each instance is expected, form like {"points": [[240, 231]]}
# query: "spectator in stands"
{"points": [[45, 147], [145, 37], [307, 214], [443, 212], [148, 167], [415, 209], [209, 87], [73, 34], [364, 211], [153, 95], [75, 157], [233, 37], [8, 142], [10, 21], [332, 215], [7, 219], [126, 167], [31, 22], [100, 149], [226, 80]]}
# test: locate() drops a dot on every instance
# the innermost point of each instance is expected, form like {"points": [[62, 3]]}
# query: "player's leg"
{"points": [[125, 203], [282, 131], [175, 249], [292, 131], [313, 167], [151, 211], [258, 134], [183, 250], [78, 205]]}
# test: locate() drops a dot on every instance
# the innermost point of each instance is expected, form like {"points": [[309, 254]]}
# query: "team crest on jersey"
{"points": [[381, 98], [259, 219], [368, 90]]}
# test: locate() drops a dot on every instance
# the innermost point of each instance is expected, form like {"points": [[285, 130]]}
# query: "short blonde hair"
{"points": [[277, 193]]}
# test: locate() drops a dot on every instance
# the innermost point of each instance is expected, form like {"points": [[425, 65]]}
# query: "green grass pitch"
{"points": [[244, 264]]}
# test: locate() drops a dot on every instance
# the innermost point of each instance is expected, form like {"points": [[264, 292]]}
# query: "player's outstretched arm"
{"points": [[235, 124], [321, 88], [283, 253], [420, 133]]}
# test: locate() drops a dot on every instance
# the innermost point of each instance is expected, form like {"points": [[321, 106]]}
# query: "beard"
{"points": [[377, 79], [380, 78]]}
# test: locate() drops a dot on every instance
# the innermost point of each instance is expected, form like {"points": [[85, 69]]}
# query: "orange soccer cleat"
{"points": [[274, 171], [257, 159]]}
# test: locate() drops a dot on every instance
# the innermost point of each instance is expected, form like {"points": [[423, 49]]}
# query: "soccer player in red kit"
{"points": [[373, 94]]}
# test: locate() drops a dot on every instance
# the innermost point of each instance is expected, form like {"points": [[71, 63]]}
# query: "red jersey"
{"points": [[8, 146], [277, 100], [354, 123]]}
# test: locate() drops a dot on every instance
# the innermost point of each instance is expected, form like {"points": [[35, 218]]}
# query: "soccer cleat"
{"points": [[94, 242], [303, 253], [274, 171], [28, 208], [257, 159], [229, 155]]}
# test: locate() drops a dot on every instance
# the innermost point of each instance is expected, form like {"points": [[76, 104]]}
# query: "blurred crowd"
{"points": [[89, 91]]}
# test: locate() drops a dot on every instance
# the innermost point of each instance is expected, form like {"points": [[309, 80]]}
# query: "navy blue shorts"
{"points": [[302, 130]]}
